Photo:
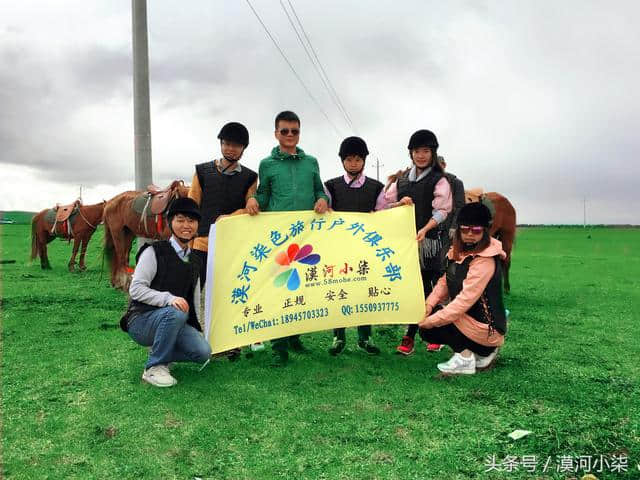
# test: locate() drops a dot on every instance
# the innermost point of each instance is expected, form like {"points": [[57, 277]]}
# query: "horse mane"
{"points": [[394, 177]]}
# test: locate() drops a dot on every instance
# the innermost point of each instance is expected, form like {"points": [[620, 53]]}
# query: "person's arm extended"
{"points": [[260, 200], [195, 190], [318, 186], [143, 275], [441, 205], [252, 190], [481, 270]]}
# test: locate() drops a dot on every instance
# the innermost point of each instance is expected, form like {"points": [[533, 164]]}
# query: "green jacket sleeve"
{"points": [[263, 194], [318, 189]]}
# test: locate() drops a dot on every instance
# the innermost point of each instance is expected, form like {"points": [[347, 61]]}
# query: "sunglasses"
{"points": [[467, 230], [285, 131]]}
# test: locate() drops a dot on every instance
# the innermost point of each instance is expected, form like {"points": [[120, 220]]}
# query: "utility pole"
{"points": [[584, 212], [80, 196], [141, 114], [378, 165]]}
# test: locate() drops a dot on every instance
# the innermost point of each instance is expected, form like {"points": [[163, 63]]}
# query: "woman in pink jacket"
{"points": [[473, 323]]}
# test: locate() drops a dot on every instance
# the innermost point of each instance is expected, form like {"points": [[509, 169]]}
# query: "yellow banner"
{"points": [[284, 273]]}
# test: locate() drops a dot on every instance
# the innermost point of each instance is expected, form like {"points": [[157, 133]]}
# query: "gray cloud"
{"points": [[536, 100]]}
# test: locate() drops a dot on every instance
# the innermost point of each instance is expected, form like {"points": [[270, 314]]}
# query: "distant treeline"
{"points": [[17, 217], [22, 218], [597, 225]]}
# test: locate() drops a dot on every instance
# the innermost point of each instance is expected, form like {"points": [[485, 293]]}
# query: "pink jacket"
{"points": [[481, 269]]}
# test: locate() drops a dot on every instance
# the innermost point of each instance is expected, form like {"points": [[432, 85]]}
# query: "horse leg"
{"points": [[72, 260], [507, 245], [118, 279], [128, 241], [43, 239], [83, 252]]}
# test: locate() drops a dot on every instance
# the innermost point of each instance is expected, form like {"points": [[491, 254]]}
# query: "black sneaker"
{"points": [[279, 358], [369, 347], [337, 347], [297, 346]]}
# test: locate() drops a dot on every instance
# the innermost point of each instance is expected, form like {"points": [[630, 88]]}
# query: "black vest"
{"points": [[174, 276], [347, 199], [221, 194], [457, 197], [489, 308], [422, 195]]}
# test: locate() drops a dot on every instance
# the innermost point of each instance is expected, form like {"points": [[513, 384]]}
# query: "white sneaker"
{"points": [[458, 365], [159, 376], [483, 363]]}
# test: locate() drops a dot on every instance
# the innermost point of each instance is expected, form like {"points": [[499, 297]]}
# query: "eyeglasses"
{"points": [[467, 230], [285, 131]]}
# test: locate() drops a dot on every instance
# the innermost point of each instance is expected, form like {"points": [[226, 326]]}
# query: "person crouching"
{"points": [[473, 323], [164, 292]]}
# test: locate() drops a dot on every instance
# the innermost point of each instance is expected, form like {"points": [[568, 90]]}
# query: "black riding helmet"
{"points": [[474, 214], [353, 146], [423, 138], [235, 132], [186, 206]]}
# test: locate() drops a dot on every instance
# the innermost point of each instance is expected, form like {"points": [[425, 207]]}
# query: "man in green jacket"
{"points": [[289, 179]]}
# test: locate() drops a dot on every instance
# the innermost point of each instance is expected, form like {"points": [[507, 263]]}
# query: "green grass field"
{"points": [[73, 405]]}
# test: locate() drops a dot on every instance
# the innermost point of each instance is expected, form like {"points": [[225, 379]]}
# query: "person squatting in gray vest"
{"points": [[425, 186], [353, 192], [165, 291], [474, 321]]}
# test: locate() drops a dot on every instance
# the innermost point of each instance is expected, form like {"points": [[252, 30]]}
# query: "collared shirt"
{"points": [[442, 202], [195, 193], [232, 171], [381, 204], [145, 272], [357, 183], [183, 253]]}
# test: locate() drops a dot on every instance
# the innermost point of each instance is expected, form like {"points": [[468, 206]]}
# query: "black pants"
{"points": [[450, 335], [203, 265], [429, 280]]}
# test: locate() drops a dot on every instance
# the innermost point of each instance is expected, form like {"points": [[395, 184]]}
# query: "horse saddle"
{"points": [[160, 198], [63, 212]]}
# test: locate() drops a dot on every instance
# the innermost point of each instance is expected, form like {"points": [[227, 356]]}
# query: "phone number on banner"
{"points": [[282, 320], [370, 308]]}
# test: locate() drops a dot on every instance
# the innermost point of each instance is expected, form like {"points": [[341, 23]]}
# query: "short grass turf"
{"points": [[73, 405]]}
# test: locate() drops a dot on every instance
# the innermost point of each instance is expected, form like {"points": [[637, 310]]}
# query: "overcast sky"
{"points": [[538, 100]]}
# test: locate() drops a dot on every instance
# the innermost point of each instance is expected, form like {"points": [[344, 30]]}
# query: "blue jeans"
{"points": [[166, 331]]}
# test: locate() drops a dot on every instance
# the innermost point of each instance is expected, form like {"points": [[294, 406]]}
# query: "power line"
{"points": [[332, 94], [320, 64], [293, 69]]}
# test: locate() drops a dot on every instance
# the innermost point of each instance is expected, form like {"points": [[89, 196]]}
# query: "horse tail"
{"points": [[34, 237]]}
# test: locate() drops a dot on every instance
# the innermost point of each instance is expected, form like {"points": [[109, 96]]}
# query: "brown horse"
{"points": [[122, 223], [80, 226], [503, 223]]}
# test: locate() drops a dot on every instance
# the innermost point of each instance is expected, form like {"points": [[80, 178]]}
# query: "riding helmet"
{"points": [[423, 138], [235, 132], [186, 206], [353, 146]]}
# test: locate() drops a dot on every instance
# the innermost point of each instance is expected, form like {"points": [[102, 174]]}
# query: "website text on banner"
{"points": [[285, 273]]}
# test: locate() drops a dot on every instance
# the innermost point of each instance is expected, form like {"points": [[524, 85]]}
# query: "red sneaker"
{"points": [[434, 347], [406, 346]]}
